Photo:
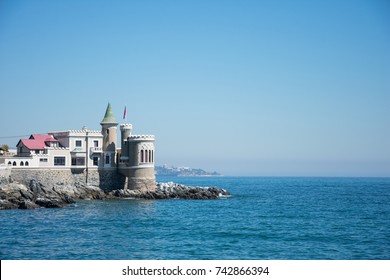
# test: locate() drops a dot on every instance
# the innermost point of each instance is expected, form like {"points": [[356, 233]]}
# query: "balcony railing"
{"points": [[96, 150]]}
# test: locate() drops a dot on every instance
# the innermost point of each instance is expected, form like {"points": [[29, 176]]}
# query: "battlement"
{"points": [[141, 138], [84, 131], [74, 131], [59, 148], [126, 126]]}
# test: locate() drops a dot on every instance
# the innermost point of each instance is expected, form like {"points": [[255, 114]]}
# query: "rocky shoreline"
{"points": [[37, 195]]}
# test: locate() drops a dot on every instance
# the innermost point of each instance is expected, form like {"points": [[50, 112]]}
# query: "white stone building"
{"points": [[59, 149]]}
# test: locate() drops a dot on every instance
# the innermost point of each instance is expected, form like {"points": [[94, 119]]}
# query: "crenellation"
{"points": [[141, 137], [126, 126], [59, 148]]}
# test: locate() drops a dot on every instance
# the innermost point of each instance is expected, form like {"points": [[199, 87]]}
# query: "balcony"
{"points": [[96, 150]]}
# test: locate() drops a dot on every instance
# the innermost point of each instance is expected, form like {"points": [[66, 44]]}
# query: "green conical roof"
{"points": [[109, 116]]}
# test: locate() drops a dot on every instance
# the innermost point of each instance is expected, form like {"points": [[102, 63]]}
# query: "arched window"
{"points": [[14, 163], [21, 163], [152, 156], [26, 164], [142, 155], [9, 163]]}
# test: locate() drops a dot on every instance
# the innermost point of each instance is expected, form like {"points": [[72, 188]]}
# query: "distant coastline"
{"points": [[183, 171]]}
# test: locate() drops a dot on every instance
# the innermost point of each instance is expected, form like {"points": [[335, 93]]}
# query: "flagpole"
{"points": [[125, 114]]}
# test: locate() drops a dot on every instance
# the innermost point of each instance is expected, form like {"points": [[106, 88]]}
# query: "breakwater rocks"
{"points": [[37, 195], [172, 190]]}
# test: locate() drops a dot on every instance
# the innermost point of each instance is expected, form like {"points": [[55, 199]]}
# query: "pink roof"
{"points": [[43, 137], [38, 141]]}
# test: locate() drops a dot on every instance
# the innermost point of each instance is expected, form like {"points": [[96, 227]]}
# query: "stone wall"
{"points": [[140, 178], [111, 180], [107, 180], [141, 184], [5, 174]]}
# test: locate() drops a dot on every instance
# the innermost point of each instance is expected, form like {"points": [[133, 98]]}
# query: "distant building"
{"points": [[86, 151]]}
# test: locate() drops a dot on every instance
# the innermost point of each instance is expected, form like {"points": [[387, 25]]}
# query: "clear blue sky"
{"points": [[240, 87]]}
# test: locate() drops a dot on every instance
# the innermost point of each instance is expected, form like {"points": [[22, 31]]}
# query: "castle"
{"points": [[92, 157]]}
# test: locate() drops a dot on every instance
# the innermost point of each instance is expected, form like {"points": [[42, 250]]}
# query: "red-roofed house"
{"points": [[36, 144]]}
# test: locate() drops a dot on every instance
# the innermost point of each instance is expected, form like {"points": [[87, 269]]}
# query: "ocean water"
{"points": [[266, 218]]}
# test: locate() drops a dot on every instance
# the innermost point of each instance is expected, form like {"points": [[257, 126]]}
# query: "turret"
{"points": [[109, 132], [138, 158], [125, 133]]}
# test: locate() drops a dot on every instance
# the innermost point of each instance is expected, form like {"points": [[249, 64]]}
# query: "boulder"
{"points": [[6, 204], [50, 202], [36, 188], [27, 204], [26, 194]]}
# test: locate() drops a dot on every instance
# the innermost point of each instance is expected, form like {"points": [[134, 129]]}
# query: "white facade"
{"points": [[85, 148], [74, 149]]}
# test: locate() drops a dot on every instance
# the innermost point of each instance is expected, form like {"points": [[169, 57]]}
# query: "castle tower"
{"points": [[109, 131], [125, 132], [138, 162]]}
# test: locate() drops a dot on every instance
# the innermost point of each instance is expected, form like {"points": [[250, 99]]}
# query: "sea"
{"points": [[267, 218]]}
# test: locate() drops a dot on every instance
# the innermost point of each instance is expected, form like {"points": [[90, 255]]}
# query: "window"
{"points": [[96, 143], [146, 156], [14, 163], [9, 163], [26, 164], [78, 161], [59, 161], [43, 159], [95, 161], [21, 163], [107, 159], [79, 143], [150, 156]]}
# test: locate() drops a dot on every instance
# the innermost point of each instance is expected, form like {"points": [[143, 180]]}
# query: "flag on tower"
{"points": [[124, 113]]}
